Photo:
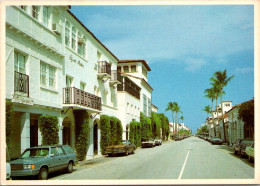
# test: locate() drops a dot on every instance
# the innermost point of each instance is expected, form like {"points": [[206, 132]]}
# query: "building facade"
{"points": [[56, 66], [134, 92]]}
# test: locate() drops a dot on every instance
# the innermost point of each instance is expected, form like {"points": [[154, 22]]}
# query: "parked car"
{"points": [[125, 147], [43, 160], [250, 151], [148, 143], [157, 141], [216, 140], [8, 166], [240, 146]]}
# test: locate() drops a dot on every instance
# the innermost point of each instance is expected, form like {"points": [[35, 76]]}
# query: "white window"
{"points": [[43, 74], [19, 62], [35, 12], [84, 47], [80, 45], [82, 86], [73, 42], [68, 81], [46, 16], [48, 75], [67, 34]]}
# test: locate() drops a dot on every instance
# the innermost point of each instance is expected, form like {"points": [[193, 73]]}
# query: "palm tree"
{"points": [[209, 93], [177, 110], [221, 79], [216, 90], [171, 106], [182, 118], [207, 110]]}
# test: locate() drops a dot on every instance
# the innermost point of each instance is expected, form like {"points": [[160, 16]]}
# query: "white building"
{"points": [[154, 108], [134, 94], [56, 66]]}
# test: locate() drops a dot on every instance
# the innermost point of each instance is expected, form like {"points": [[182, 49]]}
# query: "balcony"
{"points": [[79, 99], [104, 70], [129, 86], [114, 79], [21, 83]]}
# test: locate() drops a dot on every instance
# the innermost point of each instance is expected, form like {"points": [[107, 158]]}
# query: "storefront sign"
{"points": [[75, 61]]}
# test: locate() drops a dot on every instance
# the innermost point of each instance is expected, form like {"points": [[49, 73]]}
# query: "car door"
{"points": [[54, 160], [63, 158]]}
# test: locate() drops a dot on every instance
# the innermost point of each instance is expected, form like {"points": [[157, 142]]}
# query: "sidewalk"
{"points": [[92, 160]]}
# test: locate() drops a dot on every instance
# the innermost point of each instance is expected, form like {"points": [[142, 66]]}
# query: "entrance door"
{"points": [[95, 131], [66, 132], [33, 132]]}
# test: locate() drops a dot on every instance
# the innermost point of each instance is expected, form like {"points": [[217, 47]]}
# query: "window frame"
{"points": [[67, 34], [18, 65], [35, 12], [126, 67], [73, 39], [50, 75]]}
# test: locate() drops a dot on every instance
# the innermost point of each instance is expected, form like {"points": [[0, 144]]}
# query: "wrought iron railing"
{"points": [[21, 83], [128, 86], [72, 95], [104, 67]]}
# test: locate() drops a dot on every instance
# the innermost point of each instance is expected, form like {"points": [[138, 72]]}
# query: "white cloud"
{"points": [[194, 64], [244, 70]]}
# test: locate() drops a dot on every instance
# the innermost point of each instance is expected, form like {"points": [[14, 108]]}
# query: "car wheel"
{"points": [[43, 174], [235, 152], [70, 167]]}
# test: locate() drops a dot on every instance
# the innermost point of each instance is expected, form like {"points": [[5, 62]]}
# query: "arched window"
{"points": [[67, 34], [73, 41]]}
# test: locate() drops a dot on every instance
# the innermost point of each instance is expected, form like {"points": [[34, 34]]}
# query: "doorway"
{"points": [[66, 131]]}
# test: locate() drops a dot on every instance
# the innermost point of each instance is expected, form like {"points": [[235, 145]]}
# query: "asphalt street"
{"points": [[191, 158]]}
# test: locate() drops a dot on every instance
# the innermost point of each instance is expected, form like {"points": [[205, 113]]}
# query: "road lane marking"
{"points": [[184, 164]]}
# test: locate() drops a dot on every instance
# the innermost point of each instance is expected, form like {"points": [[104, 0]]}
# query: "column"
{"points": [[90, 150], [99, 138], [25, 131]]}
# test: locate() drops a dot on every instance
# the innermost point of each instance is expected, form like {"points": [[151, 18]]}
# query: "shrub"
{"points": [[49, 128], [113, 131], [9, 123], [119, 131], [82, 133], [146, 128], [156, 125], [105, 132], [135, 133]]}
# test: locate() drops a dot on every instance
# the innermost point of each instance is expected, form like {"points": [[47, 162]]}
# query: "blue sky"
{"points": [[184, 46]]}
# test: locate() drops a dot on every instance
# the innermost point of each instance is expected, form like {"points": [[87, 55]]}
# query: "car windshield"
{"points": [[216, 138], [30, 153], [246, 142]]}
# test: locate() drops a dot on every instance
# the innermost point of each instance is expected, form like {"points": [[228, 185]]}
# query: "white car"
{"points": [[8, 166], [157, 141]]}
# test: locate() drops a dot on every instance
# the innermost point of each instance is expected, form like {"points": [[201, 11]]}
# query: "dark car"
{"points": [[240, 146], [148, 143], [216, 141], [43, 160], [125, 147]]}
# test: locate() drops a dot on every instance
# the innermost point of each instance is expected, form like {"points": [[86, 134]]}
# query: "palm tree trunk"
{"points": [[173, 120], [224, 129], [212, 117]]}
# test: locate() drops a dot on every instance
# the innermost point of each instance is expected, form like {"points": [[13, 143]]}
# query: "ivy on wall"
{"points": [[49, 129], [82, 133], [9, 123]]}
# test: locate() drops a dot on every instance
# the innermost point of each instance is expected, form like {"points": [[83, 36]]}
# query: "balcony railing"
{"points": [[104, 67], [72, 95], [128, 86], [21, 83]]}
